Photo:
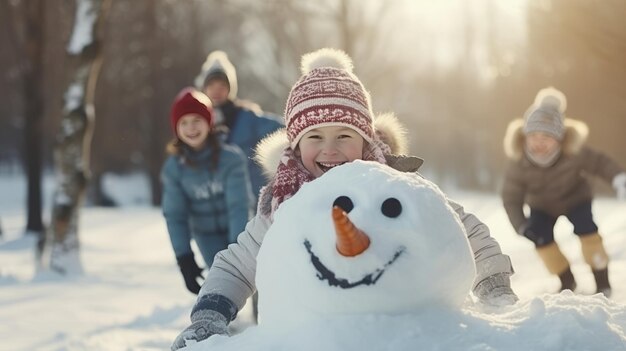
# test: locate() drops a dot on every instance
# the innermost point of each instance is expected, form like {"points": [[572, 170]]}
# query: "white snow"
{"points": [[132, 297], [74, 97], [82, 33]]}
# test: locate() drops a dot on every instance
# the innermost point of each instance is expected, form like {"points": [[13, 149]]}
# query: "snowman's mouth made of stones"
{"points": [[323, 273]]}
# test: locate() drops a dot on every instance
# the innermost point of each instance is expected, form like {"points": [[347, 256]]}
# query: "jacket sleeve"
{"points": [[175, 208], [265, 125], [513, 192], [233, 270], [487, 253], [238, 195], [599, 164]]}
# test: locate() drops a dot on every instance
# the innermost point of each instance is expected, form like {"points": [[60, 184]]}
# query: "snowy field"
{"points": [[132, 296]]}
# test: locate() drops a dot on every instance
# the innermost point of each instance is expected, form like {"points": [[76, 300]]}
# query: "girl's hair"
{"points": [[175, 147]]}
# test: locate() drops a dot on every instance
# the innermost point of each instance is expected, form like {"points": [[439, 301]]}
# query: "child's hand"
{"points": [[499, 297], [191, 272], [205, 324], [495, 290], [619, 183]]}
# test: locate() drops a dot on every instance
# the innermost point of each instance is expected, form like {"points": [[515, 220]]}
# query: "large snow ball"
{"points": [[405, 248]]}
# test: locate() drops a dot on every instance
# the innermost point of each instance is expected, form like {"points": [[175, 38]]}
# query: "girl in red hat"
{"points": [[206, 189]]}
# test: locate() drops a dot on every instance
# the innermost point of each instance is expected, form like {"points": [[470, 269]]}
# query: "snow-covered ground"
{"points": [[132, 296]]}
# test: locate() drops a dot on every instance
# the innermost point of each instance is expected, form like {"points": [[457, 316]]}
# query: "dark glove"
{"points": [[204, 324], [495, 290], [191, 272]]}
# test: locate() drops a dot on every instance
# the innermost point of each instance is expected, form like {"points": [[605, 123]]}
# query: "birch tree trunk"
{"points": [[73, 142]]}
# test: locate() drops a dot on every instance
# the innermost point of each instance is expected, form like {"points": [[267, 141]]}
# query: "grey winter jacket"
{"points": [[233, 272]]}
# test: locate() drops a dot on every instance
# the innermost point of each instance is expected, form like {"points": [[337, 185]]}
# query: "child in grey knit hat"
{"points": [[548, 167]]}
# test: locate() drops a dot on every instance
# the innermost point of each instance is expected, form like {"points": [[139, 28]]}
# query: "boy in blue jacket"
{"points": [[246, 123]]}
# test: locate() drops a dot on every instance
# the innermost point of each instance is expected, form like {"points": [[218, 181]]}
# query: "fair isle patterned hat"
{"points": [[546, 114], [328, 94]]}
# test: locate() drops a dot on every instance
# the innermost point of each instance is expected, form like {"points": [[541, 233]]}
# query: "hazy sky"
{"points": [[436, 32]]}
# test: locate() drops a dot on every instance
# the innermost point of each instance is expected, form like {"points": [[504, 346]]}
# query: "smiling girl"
{"points": [[206, 191], [329, 122]]}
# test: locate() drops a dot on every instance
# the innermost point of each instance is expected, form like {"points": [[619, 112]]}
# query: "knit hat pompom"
{"points": [[328, 94], [550, 97], [326, 57]]}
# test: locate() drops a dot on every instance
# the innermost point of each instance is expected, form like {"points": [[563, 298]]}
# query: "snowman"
{"points": [[362, 239]]}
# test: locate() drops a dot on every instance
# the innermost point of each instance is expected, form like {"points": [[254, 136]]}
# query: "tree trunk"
{"points": [[154, 144], [32, 74], [25, 32], [71, 153]]}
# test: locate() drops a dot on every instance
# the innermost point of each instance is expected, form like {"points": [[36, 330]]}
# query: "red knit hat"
{"points": [[191, 101], [328, 94]]}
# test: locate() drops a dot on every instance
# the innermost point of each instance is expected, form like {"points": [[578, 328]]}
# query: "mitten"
{"points": [[619, 183], [191, 272], [496, 290], [205, 323]]}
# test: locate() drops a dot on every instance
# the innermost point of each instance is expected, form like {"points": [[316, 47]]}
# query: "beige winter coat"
{"points": [[233, 271], [557, 188]]}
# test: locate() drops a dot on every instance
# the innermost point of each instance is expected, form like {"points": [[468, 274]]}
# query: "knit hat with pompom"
{"points": [[546, 114], [328, 94]]}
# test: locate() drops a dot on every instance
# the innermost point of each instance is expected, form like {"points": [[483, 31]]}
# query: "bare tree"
{"points": [[26, 33], [74, 139], [286, 29], [155, 155]]}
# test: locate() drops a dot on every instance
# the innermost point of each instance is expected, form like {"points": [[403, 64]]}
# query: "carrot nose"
{"points": [[351, 241]]}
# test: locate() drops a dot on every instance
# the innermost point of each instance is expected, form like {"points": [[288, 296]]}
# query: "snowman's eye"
{"points": [[344, 203], [391, 207]]}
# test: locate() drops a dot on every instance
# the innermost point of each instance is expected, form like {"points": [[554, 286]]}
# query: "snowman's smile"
{"points": [[323, 273]]}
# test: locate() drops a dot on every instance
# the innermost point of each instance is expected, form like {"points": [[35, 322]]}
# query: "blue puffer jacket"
{"points": [[210, 206], [246, 130]]}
